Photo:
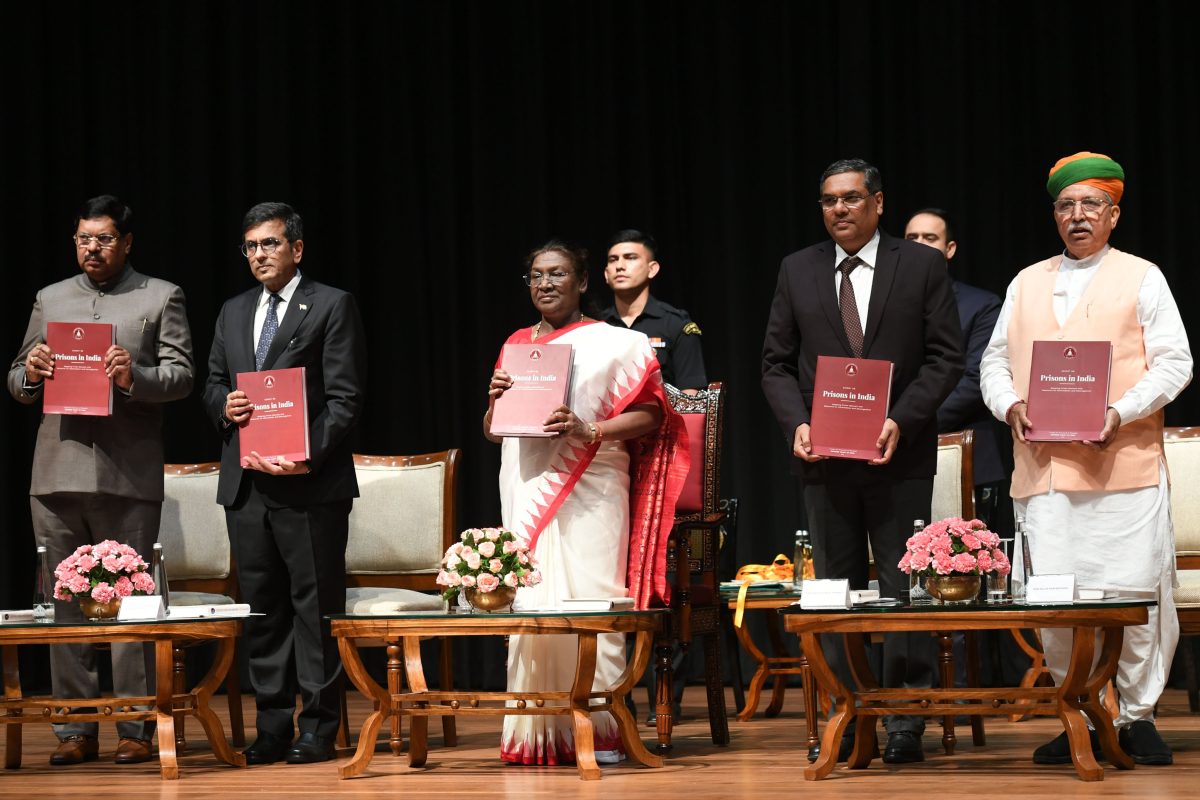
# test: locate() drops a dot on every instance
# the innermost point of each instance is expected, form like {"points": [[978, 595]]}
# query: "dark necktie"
{"points": [[271, 327], [846, 300]]}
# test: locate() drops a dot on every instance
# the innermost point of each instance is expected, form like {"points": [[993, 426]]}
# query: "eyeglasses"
{"points": [[1092, 206], [105, 240], [536, 278], [269, 246], [853, 201]]}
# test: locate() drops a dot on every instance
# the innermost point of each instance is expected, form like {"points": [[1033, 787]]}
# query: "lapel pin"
{"points": [[303, 307]]}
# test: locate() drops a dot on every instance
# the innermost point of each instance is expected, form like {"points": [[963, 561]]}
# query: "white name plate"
{"points": [[142, 606], [825, 594], [1050, 589]]}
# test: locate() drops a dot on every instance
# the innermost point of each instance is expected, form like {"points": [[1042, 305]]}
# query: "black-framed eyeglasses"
{"points": [[554, 277], [1092, 206], [269, 246], [852, 201], [105, 240]]}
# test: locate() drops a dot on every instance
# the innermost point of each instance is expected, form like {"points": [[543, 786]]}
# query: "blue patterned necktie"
{"points": [[269, 329]]}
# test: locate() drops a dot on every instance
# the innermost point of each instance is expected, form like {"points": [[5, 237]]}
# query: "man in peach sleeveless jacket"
{"points": [[1099, 510]]}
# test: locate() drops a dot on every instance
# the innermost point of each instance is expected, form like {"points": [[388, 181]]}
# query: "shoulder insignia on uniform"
{"points": [[692, 327]]}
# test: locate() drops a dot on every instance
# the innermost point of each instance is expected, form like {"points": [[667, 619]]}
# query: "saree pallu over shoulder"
{"points": [[612, 370]]}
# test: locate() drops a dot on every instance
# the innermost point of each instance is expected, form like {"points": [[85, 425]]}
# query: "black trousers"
{"points": [[856, 505], [291, 565]]}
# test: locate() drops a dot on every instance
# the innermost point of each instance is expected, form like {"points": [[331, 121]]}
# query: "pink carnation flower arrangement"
{"points": [[486, 559], [955, 547], [102, 571]]}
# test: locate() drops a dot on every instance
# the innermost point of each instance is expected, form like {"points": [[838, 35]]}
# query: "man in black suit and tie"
{"points": [[288, 521], [866, 294]]}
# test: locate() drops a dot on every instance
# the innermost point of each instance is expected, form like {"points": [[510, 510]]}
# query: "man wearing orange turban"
{"points": [[1101, 509]]}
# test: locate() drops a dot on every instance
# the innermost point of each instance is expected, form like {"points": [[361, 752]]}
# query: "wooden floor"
{"points": [[764, 760]]}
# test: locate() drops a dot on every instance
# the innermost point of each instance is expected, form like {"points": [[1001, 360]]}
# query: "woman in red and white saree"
{"points": [[596, 501]]}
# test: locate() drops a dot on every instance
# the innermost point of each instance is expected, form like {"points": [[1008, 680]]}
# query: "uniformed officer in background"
{"points": [[675, 338]]}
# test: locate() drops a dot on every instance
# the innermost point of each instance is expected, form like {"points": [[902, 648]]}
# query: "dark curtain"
{"points": [[430, 145]]}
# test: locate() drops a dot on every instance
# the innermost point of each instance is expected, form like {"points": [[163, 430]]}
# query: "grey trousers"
{"points": [[62, 522]]}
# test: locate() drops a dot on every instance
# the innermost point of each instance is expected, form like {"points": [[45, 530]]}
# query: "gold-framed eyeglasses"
{"points": [[106, 240], [269, 246], [554, 278], [1091, 206], [852, 201]]}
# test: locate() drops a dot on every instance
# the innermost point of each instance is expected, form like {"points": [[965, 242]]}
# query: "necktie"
{"points": [[271, 327], [850, 320]]}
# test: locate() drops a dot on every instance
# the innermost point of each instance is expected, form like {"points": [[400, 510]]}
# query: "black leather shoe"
{"points": [[309, 749], [903, 747], [1144, 745], [845, 748], [1058, 750], [267, 749]]}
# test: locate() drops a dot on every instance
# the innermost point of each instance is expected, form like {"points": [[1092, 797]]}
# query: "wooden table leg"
{"points": [[626, 724], [164, 673], [581, 717], [978, 736], [394, 666], [362, 680], [760, 674], [775, 636], [664, 690], [203, 694], [1098, 711], [446, 664], [418, 729], [865, 739], [811, 711], [1075, 687], [12, 691], [846, 707], [946, 667]]}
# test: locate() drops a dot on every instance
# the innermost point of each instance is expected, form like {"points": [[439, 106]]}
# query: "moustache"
{"points": [[1077, 227]]}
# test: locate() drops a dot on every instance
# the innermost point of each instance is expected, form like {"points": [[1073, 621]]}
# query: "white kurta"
{"points": [[1092, 534]]}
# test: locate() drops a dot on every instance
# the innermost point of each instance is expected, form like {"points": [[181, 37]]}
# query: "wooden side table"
{"points": [[164, 705], [1077, 698], [401, 633]]}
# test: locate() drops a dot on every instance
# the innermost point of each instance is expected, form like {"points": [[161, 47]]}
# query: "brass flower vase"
{"points": [[96, 611], [952, 589], [499, 599]]}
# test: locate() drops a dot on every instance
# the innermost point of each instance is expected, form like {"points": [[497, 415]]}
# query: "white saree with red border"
{"points": [[598, 517]]}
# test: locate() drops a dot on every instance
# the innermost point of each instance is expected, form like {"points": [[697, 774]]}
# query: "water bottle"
{"points": [[158, 571], [43, 589], [916, 584], [801, 559]]}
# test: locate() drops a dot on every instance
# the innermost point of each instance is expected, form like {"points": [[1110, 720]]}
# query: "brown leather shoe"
{"points": [[75, 750], [133, 751]]}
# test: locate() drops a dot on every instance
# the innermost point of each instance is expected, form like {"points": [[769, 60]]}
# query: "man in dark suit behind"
{"points": [[866, 294], [978, 311], [288, 521]]}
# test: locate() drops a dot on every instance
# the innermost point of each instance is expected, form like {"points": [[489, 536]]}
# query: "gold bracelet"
{"points": [[597, 434]]}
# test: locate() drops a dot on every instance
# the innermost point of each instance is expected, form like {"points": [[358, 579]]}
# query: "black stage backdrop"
{"points": [[429, 146]]}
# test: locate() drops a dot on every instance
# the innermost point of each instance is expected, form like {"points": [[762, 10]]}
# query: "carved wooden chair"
{"points": [[200, 567], [692, 555], [400, 526]]}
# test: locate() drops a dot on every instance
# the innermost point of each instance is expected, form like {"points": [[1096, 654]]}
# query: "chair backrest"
{"points": [[954, 483], [403, 520], [192, 531], [704, 416], [1182, 448]]}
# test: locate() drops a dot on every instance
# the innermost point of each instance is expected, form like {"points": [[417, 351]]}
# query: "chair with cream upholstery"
{"points": [[400, 526], [199, 563], [1182, 447]]}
